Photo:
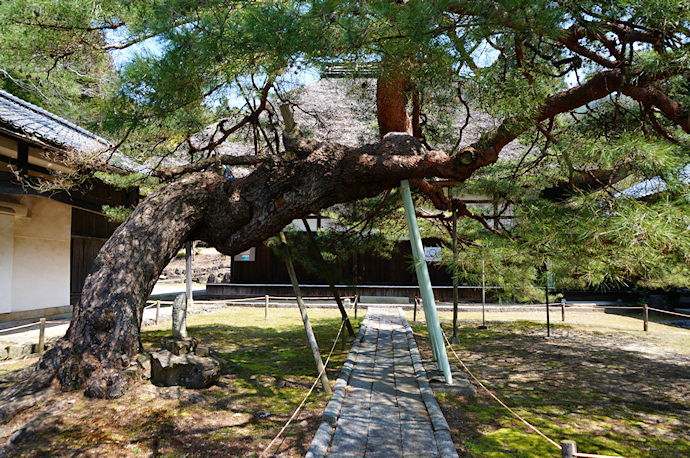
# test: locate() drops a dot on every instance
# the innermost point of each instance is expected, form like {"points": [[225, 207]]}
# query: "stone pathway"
{"points": [[382, 405]]}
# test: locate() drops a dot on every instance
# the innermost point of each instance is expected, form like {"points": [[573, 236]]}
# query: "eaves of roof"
{"points": [[45, 129]]}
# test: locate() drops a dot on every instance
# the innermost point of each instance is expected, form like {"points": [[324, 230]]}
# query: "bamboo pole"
{"points": [[305, 319]]}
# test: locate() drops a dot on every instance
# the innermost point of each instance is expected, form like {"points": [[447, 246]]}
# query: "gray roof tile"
{"points": [[47, 127]]}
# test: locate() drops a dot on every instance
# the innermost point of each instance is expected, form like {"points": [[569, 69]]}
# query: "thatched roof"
{"points": [[343, 110]]}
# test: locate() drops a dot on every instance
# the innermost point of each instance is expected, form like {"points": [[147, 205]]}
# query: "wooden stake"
{"points": [[645, 317], [305, 319], [42, 336], [568, 449]]}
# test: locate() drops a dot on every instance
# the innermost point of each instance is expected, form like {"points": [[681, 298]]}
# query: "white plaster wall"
{"points": [[41, 265], [6, 255]]}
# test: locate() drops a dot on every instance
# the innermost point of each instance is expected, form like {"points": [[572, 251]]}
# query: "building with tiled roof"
{"points": [[48, 241]]}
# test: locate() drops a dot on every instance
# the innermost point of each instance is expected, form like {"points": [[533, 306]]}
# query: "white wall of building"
{"points": [[6, 256], [41, 256]]}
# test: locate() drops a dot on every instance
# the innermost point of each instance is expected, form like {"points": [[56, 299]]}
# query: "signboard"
{"points": [[249, 255], [432, 253]]}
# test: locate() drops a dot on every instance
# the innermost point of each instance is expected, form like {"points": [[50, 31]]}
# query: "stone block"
{"points": [[144, 362], [202, 351], [179, 346], [19, 351], [186, 370], [132, 372], [179, 317]]}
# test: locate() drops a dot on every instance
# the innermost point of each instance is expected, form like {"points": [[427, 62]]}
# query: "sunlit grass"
{"points": [[600, 380], [270, 370]]}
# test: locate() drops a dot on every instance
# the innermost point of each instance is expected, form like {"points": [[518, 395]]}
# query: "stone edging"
{"points": [[322, 438], [441, 429]]}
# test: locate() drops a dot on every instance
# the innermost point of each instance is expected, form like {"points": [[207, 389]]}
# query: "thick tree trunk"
{"points": [[233, 215]]}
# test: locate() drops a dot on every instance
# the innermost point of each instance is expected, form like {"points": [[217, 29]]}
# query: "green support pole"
{"points": [[432, 321]]}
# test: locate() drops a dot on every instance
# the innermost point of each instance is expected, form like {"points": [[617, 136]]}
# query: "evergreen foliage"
{"points": [[511, 59]]}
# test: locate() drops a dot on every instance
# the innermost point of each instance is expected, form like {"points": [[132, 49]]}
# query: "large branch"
{"points": [[650, 95], [172, 172], [598, 86]]}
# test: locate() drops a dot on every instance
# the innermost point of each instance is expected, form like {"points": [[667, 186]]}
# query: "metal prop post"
{"points": [[432, 321], [305, 319]]}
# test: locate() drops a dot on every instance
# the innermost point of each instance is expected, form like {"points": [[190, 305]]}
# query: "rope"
{"points": [[246, 299], [671, 313], [307, 298], [601, 307], [554, 443], [316, 381], [515, 414], [3, 330], [592, 455]]}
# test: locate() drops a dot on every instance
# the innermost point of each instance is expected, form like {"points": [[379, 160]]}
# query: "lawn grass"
{"points": [[270, 369], [600, 380]]}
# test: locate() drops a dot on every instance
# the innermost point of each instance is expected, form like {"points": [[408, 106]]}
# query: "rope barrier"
{"points": [[31, 324], [515, 414], [307, 298], [592, 455], [246, 299], [600, 307], [316, 381], [670, 313]]}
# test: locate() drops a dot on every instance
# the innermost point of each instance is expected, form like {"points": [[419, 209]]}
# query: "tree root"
{"points": [[25, 394], [30, 428]]}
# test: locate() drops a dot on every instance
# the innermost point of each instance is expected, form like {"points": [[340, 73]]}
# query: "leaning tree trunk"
{"points": [[233, 215]]}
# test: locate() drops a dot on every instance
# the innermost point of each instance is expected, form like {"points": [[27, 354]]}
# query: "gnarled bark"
{"points": [[233, 215]]}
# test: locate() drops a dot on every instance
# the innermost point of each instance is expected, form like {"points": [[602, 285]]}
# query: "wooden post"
{"points": [[568, 449], [356, 300], [42, 336], [563, 310], [645, 317], [548, 315], [327, 274], [483, 326], [414, 314], [305, 319], [455, 338], [158, 310], [266, 309]]}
